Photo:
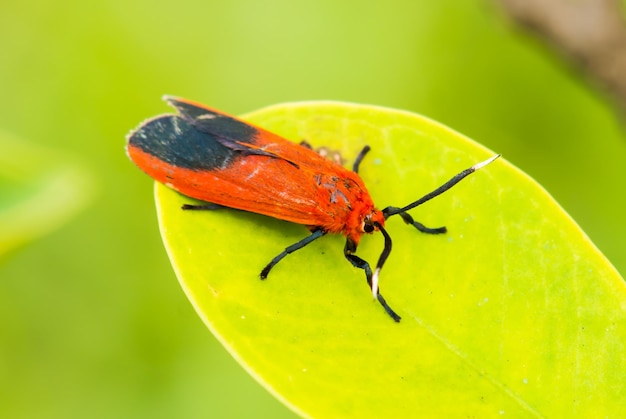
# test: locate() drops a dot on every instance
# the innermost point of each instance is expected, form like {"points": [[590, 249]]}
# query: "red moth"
{"points": [[214, 157]]}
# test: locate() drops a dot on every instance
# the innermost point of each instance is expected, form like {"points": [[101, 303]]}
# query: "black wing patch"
{"points": [[212, 122], [174, 141], [228, 131], [198, 138]]}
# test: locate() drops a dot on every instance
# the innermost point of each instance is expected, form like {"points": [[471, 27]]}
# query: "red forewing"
{"points": [[217, 158]]}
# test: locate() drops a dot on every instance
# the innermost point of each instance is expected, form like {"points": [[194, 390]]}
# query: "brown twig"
{"points": [[591, 32]]}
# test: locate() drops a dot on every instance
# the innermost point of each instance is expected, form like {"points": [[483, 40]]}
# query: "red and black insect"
{"points": [[213, 157]]}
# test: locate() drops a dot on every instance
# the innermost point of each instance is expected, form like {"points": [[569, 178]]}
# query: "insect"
{"points": [[213, 157]]}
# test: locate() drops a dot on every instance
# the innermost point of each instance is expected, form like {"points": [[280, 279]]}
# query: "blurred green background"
{"points": [[94, 323]]}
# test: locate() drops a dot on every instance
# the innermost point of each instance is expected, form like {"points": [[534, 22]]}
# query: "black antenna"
{"points": [[389, 211]]}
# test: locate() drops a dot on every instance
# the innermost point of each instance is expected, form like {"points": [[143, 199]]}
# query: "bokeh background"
{"points": [[93, 322]]}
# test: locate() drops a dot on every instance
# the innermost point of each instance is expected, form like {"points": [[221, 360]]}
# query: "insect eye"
{"points": [[368, 228]]}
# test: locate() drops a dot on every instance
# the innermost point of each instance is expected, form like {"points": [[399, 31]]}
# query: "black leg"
{"points": [[421, 227], [208, 206], [359, 159], [406, 217], [299, 245], [357, 262], [305, 143]]}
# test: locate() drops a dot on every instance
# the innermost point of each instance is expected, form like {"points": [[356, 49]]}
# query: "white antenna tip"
{"points": [[484, 163], [375, 283]]}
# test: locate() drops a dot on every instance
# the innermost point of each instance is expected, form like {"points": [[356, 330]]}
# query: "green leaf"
{"points": [[40, 190], [512, 312]]}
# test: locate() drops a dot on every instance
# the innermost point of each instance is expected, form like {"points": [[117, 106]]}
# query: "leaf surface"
{"points": [[512, 312]]}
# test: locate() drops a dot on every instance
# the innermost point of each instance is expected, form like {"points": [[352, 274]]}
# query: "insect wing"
{"points": [[213, 157]]}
